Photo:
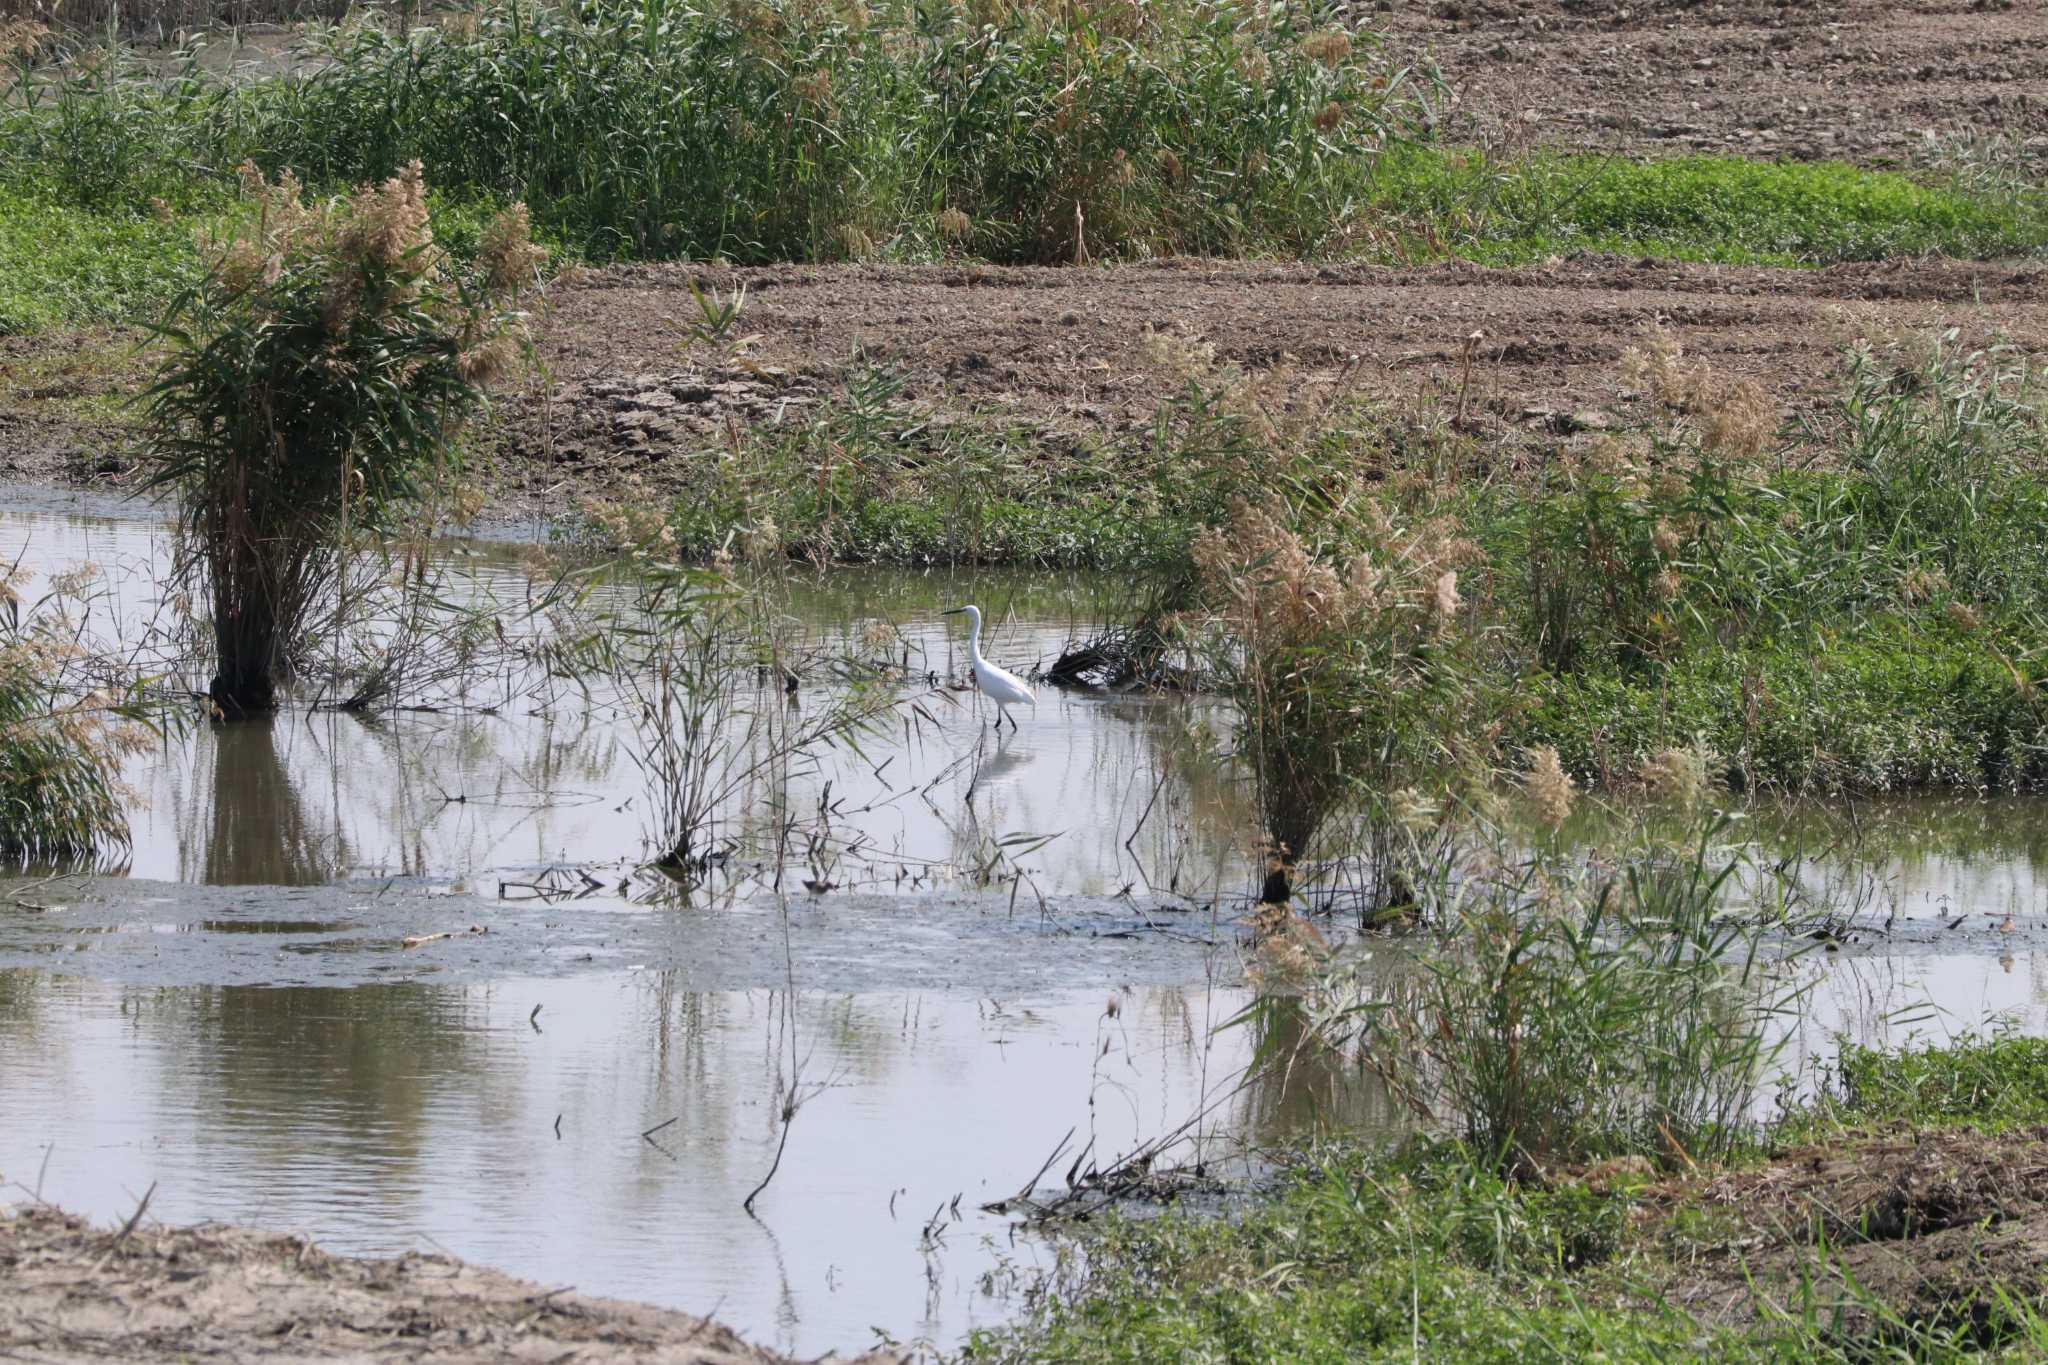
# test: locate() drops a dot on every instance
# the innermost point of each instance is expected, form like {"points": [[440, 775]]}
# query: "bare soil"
{"points": [[73, 1292], [1062, 354], [1869, 82], [1932, 1226], [1065, 351]]}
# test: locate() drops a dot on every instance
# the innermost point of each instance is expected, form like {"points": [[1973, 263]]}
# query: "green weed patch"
{"points": [[1718, 209], [1423, 1252], [62, 266], [763, 130]]}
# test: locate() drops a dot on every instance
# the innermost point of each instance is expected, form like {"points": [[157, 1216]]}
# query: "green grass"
{"points": [[775, 131], [1991, 1084], [765, 130], [1894, 705], [67, 266], [62, 266], [1716, 209], [1422, 1252], [1361, 1256], [1353, 1258]]}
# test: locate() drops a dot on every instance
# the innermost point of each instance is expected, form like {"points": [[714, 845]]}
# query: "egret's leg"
{"points": [[1002, 714]]}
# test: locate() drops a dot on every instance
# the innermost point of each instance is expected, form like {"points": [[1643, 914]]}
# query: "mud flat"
{"points": [[70, 1291], [141, 932], [1864, 82]]}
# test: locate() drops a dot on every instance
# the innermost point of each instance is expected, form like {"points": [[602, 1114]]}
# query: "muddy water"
{"points": [[460, 796], [385, 1118], [307, 1000]]}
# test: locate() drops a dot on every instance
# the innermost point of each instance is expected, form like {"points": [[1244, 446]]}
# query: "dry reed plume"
{"points": [[1550, 787], [315, 382], [1735, 419], [1340, 649]]}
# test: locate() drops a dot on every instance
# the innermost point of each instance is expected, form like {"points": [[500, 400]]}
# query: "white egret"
{"points": [[1003, 687]]}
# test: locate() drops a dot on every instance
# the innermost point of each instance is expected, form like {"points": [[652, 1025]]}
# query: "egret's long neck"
{"points": [[974, 639]]}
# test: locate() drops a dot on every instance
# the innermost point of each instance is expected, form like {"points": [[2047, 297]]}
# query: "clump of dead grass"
{"points": [[1734, 417]]}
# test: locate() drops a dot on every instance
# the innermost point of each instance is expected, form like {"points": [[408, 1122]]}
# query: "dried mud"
{"points": [[1865, 82], [1063, 353], [73, 1292], [1903, 1229]]}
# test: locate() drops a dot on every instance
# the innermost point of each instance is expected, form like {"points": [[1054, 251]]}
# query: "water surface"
{"points": [[306, 999]]}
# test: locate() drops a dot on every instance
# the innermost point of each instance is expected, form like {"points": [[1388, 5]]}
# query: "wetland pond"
{"points": [[1023, 938]]}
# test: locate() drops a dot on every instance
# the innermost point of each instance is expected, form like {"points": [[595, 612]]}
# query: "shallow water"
{"points": [[384, 1118], [306, 1001], [471, 798]]}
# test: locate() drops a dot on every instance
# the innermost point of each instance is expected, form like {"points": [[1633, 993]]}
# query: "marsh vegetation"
{"points": [[1393, 653]]}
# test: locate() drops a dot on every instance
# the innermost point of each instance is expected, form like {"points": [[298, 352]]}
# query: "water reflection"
{"points": [[548, 777], [1126, 790], [242, 820], [377, 1118]]}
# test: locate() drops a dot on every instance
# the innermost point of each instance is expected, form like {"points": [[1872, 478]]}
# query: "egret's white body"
{"points": [[1002, 686]]}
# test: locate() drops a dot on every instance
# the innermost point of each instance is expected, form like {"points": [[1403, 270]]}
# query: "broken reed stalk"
{"points": [[114, 1242], [794, 1101]]}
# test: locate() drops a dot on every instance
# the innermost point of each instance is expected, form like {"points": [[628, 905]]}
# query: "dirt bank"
{"points": [[1923, 1229], [1865, 82], [1064, 351], [73, 1292]]}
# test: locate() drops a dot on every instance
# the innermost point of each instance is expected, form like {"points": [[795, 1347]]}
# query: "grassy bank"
{"points": [[1851, 602], [768, 131], [1422, 1252]]}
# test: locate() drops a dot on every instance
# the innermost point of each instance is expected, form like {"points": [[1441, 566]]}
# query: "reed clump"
{"points": [[313, 387], [1337, 625], [1551, 1013], [62, 737], [1853, 601], [765, 130]]}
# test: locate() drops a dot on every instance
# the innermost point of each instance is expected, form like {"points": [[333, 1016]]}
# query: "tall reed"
{"points": [[1337, 626], [62, 737], [1550, 1012], [313, 385], [786, 129]]}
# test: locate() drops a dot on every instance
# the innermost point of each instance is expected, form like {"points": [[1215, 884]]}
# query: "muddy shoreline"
{"points": [[75, 1292]]}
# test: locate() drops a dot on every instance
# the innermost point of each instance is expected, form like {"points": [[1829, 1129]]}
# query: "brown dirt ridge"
{"points": [[623, 402], [1867, 82], [72, 1292], [1060, 354], [1919, 1229], [1065, 351]]}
